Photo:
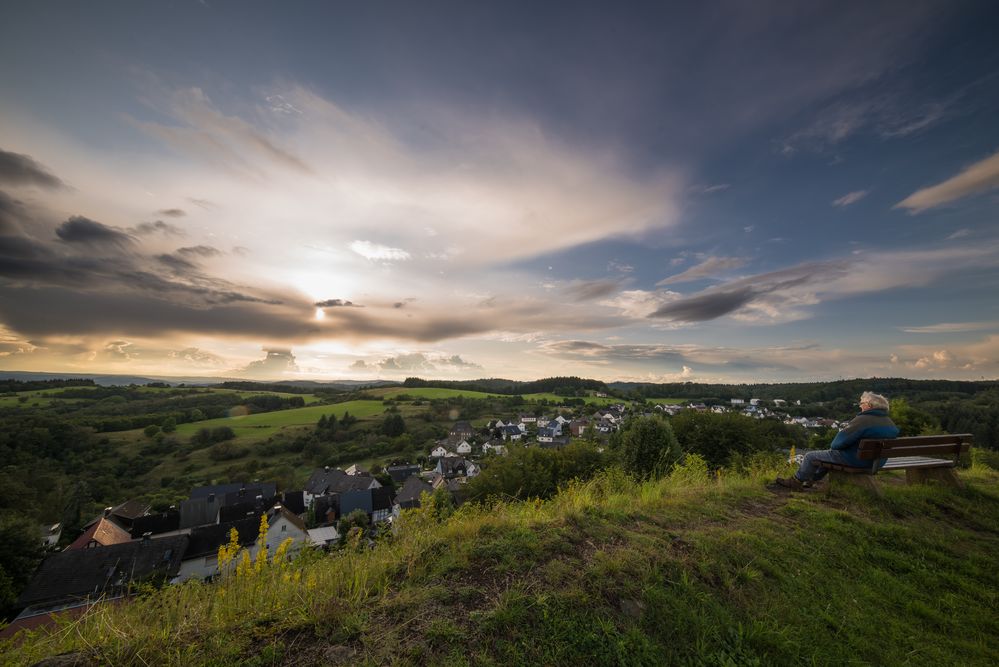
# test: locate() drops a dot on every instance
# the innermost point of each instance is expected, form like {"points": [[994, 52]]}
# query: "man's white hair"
{"points": [[874, 400]]}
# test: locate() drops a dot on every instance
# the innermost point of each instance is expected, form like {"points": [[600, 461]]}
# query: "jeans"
{"points": [[810, 471]]}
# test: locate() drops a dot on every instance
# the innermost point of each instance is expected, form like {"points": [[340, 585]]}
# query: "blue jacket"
{"points": [[868, 424]]}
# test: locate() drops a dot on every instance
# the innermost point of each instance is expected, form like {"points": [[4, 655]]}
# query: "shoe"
{"points": [[792, 483]]}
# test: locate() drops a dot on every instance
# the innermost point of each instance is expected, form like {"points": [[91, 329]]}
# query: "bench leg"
{"points": [[856, 479], [945, 476]]}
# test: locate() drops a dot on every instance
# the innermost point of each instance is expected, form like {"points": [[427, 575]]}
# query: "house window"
{"points": [[283, 528]]}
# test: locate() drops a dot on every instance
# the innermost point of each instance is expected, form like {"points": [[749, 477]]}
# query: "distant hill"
{"points": [[125, 380]]}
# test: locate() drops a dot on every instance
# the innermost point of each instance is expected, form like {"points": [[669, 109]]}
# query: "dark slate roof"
{"points": [[294, 501], [156, 523], [130, 510], [511, 430], [401, 473], [199, 511], [217, 489], [247, 508], [336, 481], [80, 573], [462, 427], [452, 466], [352, 500], [412, 489], [248, 493], [206, 540]]}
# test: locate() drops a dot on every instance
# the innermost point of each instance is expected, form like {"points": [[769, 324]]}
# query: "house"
{"points": [[357, 470], [264, 489], [543, 421], [200, 511], [50, 535], [283, 525], [200, 560], [462, 430], [400, 473], [102, 533], [438, 452], [495, 448], [254, 507], [738, 401], [464, 448], [511, 433], [78, 578], [528, 419], [127, 512], [754, 401], [294, 501], [330, 481], [577, 427], [381, 505], [409, 495], [779, 402], [562, 420], [717, 409], [156, 524], [557, 442], [452, 466], [324, 536], [547, 433]]}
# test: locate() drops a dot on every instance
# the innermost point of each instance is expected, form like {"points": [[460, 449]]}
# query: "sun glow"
{"points": [[320, 313]]}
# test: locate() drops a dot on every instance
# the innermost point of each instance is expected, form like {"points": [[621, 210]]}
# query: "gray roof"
{"points": [[412, 489], [322, 482], [352, 500], [200, 511], [402, 472], [80, 573]]}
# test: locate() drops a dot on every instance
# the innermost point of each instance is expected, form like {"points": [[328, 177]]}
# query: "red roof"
{"points": [[104, 533]]}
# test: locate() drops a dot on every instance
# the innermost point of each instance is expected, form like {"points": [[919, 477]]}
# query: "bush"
{"points": [[648, 446]]}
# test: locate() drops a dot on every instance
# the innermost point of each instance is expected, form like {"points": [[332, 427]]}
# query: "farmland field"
{"points": [[430, 392], [555, 398], [668, 401], [264, 424]]}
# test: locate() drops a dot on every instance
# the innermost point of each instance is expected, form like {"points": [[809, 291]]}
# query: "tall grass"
{"points": [[670, 569]]}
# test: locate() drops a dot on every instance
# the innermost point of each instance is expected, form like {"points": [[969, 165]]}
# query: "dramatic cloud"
{"points": [[197, 357], [173, 212], [17, 169], [374, 251], [79, 229], [977, 178], [707, 306], [278, 362], [203, 251], [709, 268], [850, 198]]}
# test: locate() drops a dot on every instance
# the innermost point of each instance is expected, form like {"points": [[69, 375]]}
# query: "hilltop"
{"points": [[690, 569]]}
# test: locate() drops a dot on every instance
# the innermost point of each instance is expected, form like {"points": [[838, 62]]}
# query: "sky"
{"points": [[704, 192]]}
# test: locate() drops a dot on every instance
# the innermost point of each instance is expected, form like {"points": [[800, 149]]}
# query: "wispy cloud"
{"points": [[17, 169], [850, 198], [951, 327], [708, 268], [974, 179]]}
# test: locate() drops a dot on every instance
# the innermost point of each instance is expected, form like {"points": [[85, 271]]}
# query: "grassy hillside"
{"points": [[685, 570]]}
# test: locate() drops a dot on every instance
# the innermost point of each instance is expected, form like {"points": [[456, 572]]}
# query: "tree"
{"points": [[393, 425], [169, 425], [20, 551], [648, 446], [911, 421], [151, 430]]}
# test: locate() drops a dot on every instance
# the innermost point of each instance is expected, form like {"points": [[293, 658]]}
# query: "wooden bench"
{"points": [[919, 456]]}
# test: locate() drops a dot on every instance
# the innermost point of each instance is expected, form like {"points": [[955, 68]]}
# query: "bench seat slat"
{"points": [[892, 464], [914, 450]]}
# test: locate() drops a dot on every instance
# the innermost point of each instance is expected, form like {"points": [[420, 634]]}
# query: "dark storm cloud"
{"points": [[176, 263], [173, 212], [11, 211], [767, 287], [703, 358], [79, 229], [18, 169], [587, 290], [336, 303], [706, 306], [158, 227]]}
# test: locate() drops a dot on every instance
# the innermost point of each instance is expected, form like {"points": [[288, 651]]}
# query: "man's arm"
{"points": [[849, 436]]}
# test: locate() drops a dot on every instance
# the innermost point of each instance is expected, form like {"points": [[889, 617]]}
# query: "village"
{"points": [[131, 543]]}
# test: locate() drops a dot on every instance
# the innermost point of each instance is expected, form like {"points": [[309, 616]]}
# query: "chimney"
{"points": [[327, 468], [146, 539], [107, 511]]}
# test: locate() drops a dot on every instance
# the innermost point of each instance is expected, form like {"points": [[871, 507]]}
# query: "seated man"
{"points": [[872, 422]]}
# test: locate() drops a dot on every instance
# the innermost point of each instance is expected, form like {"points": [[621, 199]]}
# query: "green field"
{"points": [[555, 398], [430, 392], [668, 401], [265, 424]]}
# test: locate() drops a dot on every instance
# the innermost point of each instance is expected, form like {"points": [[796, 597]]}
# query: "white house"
{"points": [[464, 448], [738, 401], [497, 449], [438, 452], [754, 401]]}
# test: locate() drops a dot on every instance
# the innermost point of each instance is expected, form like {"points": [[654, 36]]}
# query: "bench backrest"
{"points": [[921, 445]]}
